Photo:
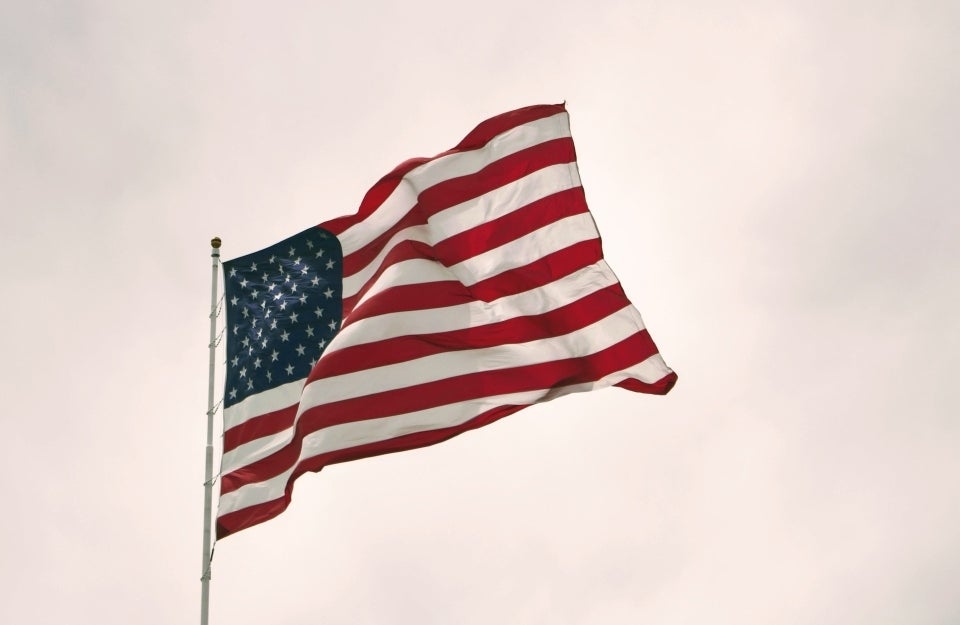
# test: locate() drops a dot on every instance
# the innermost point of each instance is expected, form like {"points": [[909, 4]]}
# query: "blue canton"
{"points": [[283, 307]]}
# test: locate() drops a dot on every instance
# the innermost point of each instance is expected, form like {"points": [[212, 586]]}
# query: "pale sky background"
{"points": [[776, 184]]}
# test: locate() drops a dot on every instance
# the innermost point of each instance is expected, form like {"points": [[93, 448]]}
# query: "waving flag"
{"points": [[468, 286]]}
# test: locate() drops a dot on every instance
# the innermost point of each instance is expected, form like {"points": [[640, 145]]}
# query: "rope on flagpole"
{"points": [[211, 410]]}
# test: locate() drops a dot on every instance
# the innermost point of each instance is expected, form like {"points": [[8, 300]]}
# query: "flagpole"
{"points": [[208, 478]]}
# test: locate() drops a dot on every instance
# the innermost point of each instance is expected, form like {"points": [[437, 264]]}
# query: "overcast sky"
{"points": [[776, 185]]}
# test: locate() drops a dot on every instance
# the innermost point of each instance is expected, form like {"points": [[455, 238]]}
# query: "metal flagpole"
{"points": [[208, 483]]}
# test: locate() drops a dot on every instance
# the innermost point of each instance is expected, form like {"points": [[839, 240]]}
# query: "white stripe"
{"points": [[551, 238], [352, 284], [277, 398], [404, 197], [503, 200], [413, 271], [347, 435], [248, 453], [580, 343], [537, 301]]}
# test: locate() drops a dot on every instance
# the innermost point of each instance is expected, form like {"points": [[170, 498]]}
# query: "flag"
{"points": [[467, 286]]}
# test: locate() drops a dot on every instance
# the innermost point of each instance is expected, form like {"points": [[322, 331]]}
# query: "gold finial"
{"points": [[215, 243]]}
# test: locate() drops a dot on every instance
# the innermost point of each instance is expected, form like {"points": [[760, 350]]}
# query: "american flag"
{"points": [[468, 286]]}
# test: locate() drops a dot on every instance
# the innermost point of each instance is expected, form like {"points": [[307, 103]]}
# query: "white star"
{"points": [[315, 280], [319, 253], [246, 341], [233, 272], [269, 376], [322, 343], [293, 289], [234, 300], [277, 296], [292, 251], [233, 393], [253, 324], [300, 350], [297, 261], [274, 355], [273, 324], [235, 328], [235, 361], [253, 266], [250, 352], [289, 369], [318, 312], [263, 343], [249, 385], [328, 292], [273, 258], [330, 264], [303, 298], [283, 305], [286, 277], [243, 372], [271, 287], [264, 277], [309, 245], [313, 363], [246, 313], [256, 363], [254, 294], [266, 314], [285, 336], [305, 269], [293, 317], [243, 283], [310, 331], [332, 325]]}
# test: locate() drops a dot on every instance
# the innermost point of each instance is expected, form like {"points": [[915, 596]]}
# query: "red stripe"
{"points": [[408, 297], [407, 250], [487, 130], [541, 271], [258, 427], [660, 387], [359, 259], [632, 350], [510, 168], [514, 225]]}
